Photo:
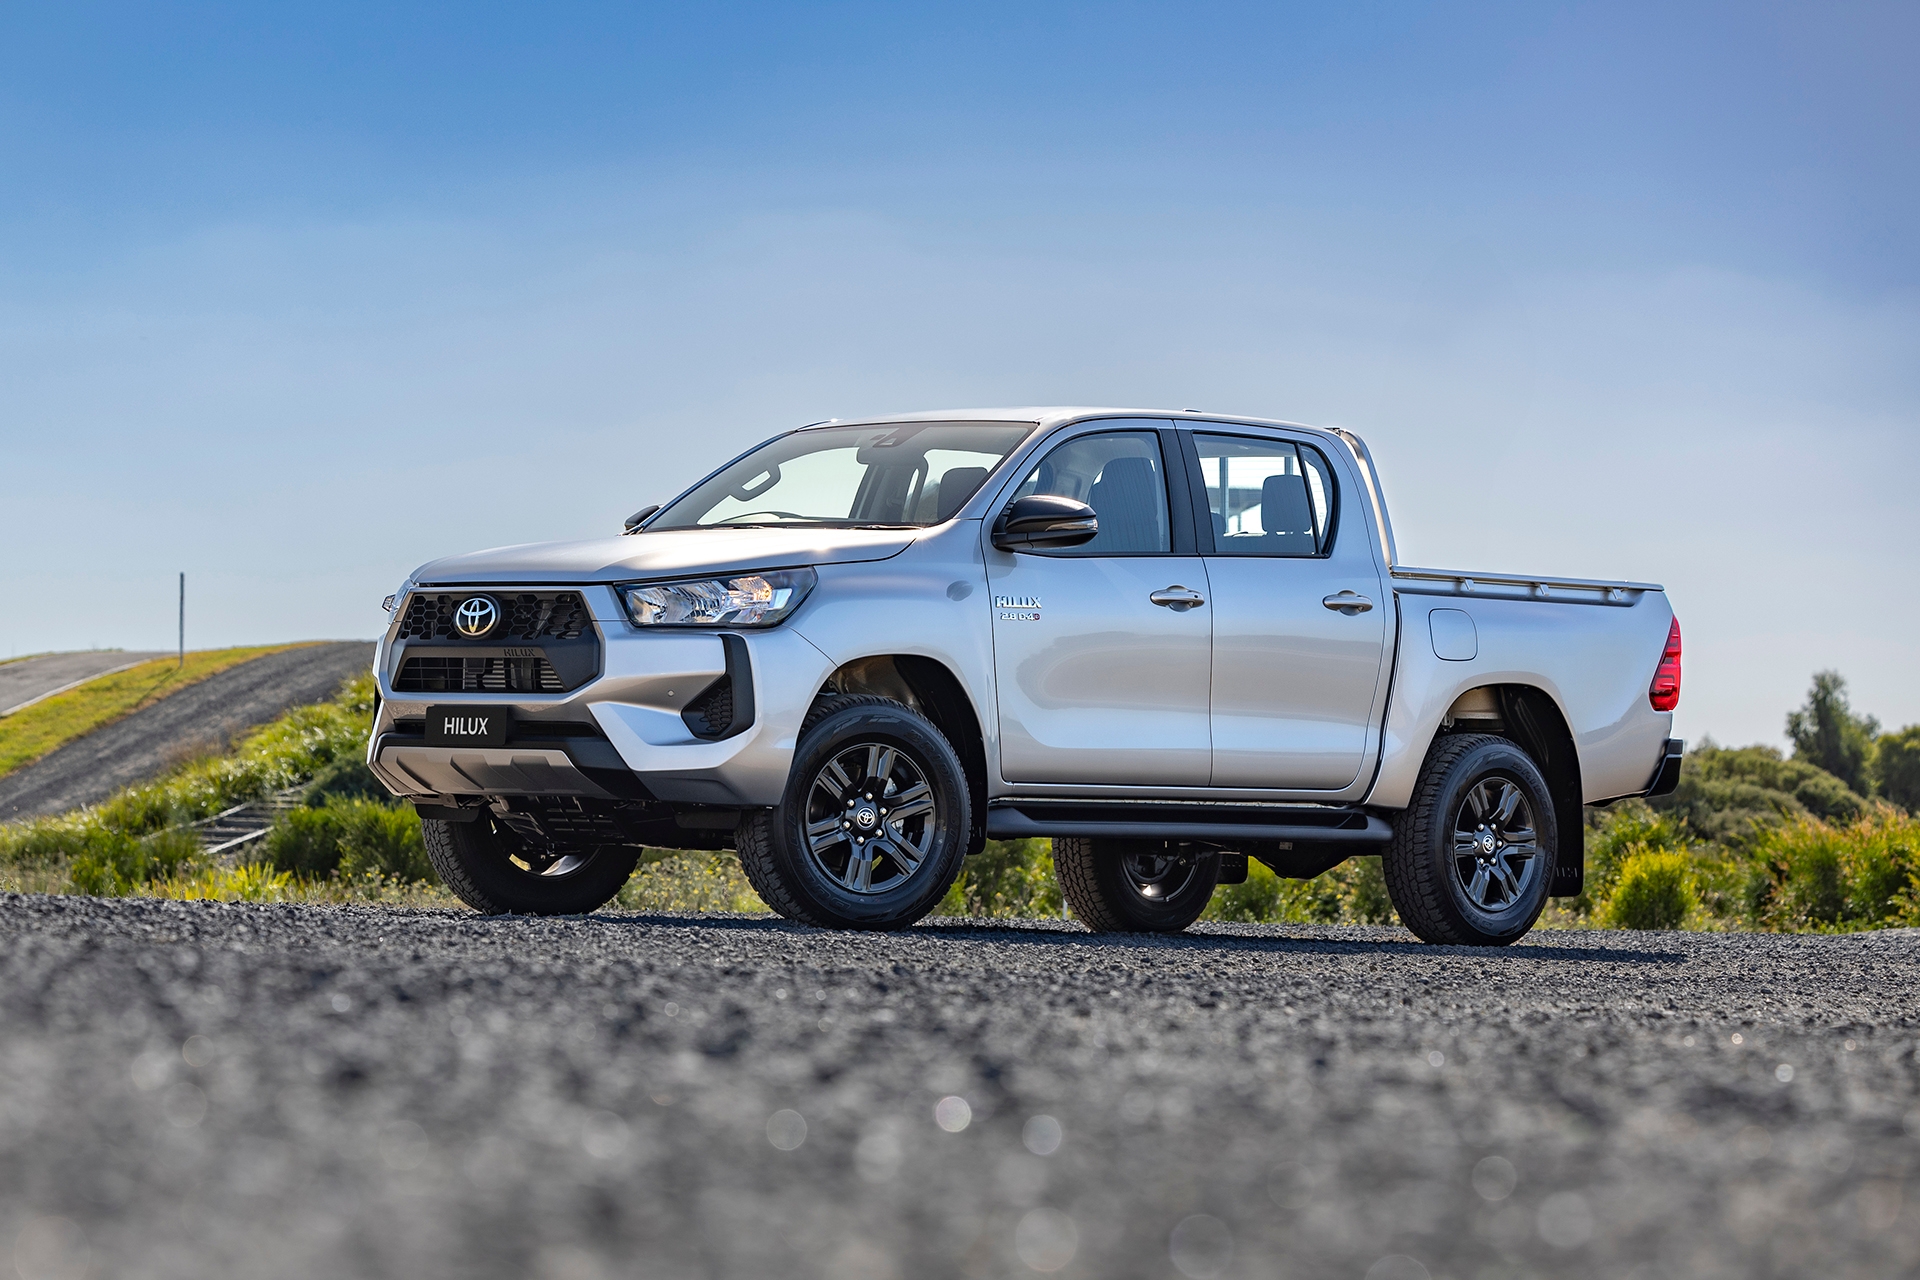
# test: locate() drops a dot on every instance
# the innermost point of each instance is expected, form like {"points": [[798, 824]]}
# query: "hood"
{"points": [[673, 553]]}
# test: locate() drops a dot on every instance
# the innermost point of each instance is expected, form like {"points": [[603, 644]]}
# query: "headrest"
{"points": [[956, 486], [1283, 505]]}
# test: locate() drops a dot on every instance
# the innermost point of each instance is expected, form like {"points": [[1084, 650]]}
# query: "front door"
{"points": [[1099, 683], [1294, 680]]}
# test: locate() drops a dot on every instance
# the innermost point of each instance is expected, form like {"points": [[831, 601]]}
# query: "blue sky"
{"points": [[295, 299]]}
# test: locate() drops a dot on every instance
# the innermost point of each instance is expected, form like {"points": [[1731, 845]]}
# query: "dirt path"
{"points": [[202, 717]]}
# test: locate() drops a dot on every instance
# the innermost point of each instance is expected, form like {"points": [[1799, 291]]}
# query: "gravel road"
{"points": [[201, 717], [204, 1090], [31, 678]]}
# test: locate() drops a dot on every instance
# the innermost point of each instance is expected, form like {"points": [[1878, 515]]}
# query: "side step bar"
{"points": [[1222, 824]]}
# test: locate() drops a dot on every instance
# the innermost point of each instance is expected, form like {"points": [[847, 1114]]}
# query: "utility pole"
{"points": [[183, 622]]}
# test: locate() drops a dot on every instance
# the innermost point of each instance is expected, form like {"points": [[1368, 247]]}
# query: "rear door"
{"points": [[1299, 613], [1097, 682]]}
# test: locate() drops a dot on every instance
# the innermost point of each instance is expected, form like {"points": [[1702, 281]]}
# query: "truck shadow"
{"points": [[1065, 936]]}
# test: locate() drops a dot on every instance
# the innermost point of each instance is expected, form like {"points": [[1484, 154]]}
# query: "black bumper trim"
{"points": [[1667, 776]]}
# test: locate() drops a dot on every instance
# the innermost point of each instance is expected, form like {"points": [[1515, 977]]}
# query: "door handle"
{"points": [[1177, 598], [1348, 603]]}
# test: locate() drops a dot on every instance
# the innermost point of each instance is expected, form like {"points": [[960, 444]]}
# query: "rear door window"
{"points": [[1265, 497]]}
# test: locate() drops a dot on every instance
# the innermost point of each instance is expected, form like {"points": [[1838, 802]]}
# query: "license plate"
{"points": [[468, 726]]}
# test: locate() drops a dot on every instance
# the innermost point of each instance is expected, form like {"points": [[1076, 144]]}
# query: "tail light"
{"points": [[1664, 693]]}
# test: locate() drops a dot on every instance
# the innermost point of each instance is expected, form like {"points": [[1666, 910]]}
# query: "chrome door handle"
{"points": [[1348, 603], [1177, 598]]}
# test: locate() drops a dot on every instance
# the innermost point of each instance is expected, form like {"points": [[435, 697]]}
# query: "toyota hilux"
{"points": [[1169, 641]]}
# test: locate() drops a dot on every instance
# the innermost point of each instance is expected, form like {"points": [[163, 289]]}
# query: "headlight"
{"points": [[750, 600]]}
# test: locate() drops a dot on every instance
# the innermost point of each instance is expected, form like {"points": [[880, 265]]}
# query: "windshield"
{"points": [[907, 474]]}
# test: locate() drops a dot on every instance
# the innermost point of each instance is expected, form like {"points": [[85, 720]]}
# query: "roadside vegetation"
{"points": [[1823, 840], [29, 734]]}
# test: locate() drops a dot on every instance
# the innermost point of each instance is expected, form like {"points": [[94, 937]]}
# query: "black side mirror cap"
{"points": [[1041, 521], [639, 518]]}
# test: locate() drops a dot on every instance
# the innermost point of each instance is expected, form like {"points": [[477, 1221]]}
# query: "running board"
{"points": [[1211, 823]]}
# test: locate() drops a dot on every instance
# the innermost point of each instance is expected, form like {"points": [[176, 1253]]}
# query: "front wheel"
{"points": [[493, 870], [1135, 886], [873, 825], [1472, 857]]}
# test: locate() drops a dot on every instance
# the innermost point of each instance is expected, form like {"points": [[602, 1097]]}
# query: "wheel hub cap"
{"points": [[871, 820], [1496, 861]]}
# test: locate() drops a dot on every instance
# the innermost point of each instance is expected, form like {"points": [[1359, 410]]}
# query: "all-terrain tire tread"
{"points": [[1411, 877], [439, 836], [1074, 867]]}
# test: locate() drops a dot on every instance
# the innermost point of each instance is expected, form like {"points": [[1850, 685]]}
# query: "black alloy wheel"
{"points": [[1472, 855], [872, 828], [495, 870], [1135, 886]]}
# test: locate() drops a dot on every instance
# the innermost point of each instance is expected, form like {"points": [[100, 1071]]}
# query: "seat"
{"points": [[1126, 499]]}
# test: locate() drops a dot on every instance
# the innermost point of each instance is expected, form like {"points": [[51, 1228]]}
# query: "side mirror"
{"points": [[1041, 521], [639, 518]]}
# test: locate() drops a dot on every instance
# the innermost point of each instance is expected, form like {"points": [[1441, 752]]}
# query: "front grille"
{"points": [[477, 675], [530, 615]]}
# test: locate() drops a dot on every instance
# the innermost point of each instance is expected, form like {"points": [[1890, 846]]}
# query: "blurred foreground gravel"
{"points": [[204, 1090]]}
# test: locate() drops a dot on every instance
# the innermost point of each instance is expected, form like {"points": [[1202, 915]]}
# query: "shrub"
{"points": [[1654, 891], [254, 883], [1813, 874], [351, 837], [1008, 878], [689, 880], [1259, 899], [1616, 836], [111, 863]]}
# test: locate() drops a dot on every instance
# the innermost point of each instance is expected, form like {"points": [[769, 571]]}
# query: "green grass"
{"points": [[1800, 858], [29, 734]]}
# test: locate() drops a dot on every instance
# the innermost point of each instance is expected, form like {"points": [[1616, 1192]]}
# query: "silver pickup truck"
{"points": [[1170, 641]]}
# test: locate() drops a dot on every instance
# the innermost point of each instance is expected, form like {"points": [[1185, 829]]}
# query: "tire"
{"points": [[1458, 871], [493, 871], [1134, 886], [834, 853]]}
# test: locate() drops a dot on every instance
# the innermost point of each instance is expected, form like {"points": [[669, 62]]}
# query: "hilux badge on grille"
{"points": [[476, 616]]}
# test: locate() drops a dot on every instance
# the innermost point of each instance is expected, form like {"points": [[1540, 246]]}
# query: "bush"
{"points": [[1259, 899], [1654, 891], [1007, 878], [1813, 874], [351, 837], [1615, 836], [1355, 892], [111, 863]]}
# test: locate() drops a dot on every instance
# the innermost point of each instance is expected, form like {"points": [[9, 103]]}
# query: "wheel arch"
{"points": [[930, 687], [1532, 719]]}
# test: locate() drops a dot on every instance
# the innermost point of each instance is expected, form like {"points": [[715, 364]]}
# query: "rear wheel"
{"points": [[873, 826], [494, 870], [1472, 857], [1135, 886]]}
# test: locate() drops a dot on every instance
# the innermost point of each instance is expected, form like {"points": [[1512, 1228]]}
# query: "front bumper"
{"points": [[697, 717]]}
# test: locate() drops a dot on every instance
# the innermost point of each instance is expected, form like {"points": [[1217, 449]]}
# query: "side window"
{"points": [[1266, 497], [1121, 476]]}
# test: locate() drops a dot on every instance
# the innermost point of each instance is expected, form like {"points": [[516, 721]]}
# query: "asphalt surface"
{"points": [[201, 718], [204, 1090], [31, 678]]}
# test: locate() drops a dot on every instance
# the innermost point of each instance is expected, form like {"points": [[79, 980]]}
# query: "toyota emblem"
{"points": [[476, 616]]}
